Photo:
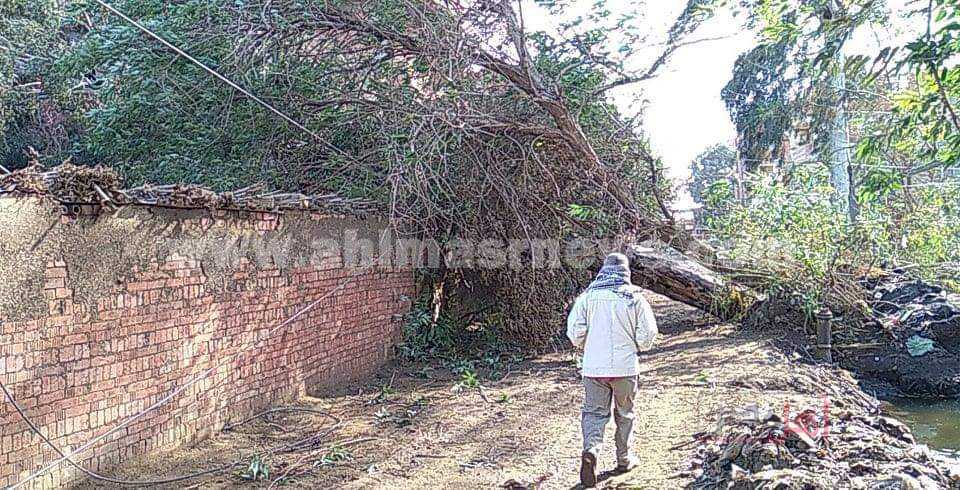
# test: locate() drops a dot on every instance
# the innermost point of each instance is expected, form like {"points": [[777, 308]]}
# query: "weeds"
{"points": [[453, 343], [469, 380], [471, 354], [258, 469], [336, 454], [386, 391], [422, 337]]}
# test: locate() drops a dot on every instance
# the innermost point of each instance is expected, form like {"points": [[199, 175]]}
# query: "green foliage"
{"points": [[718, 198], [468, 380], [789, 80], [31, 37], [461, 349], [423, 338], [334, 455], [758, 98], [452, 118], [795, 223], [925, 232], [795, 230], [257, 469], [158, 117], [710, 184], [924, 117], [899, 113]]}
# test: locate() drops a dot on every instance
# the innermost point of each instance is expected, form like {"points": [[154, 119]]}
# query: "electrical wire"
{"points": [[223, 78], [181, 389], [296, 445], [98, 476]]}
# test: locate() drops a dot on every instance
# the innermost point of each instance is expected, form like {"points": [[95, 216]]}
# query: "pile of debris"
{"points": [[68, 183], [74, 184], [913, 341], [902, 337], [814, 449], [923, 316]]}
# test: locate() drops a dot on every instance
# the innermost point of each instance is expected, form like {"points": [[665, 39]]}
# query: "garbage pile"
{"points": [[914, 342], [924, 316], [74, 184], [814, 449]]}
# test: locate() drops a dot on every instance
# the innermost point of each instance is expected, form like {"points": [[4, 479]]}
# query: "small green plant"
{"points": [[422, 337], [258, 469], [469, 379], [504, 399], [386, 391], [335, 454]]}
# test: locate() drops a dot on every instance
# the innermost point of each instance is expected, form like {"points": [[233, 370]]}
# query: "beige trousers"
{"points": [[599, 395]]}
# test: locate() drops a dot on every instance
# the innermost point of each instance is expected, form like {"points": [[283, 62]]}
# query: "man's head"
{"points": [[617, 259], [617, 262], [614, 275]]}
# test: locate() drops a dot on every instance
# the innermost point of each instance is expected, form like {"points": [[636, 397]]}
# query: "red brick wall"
{"points": [[80, 370]]}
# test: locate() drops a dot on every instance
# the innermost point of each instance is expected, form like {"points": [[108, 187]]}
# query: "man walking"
{"points": [[612, 322]]}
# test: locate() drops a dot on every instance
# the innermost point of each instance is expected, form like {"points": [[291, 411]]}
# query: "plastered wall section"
{"points": [[103, 314]]}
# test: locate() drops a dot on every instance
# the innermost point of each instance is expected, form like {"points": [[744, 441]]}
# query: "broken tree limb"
{"points": [[925, 310], [668, 272]]}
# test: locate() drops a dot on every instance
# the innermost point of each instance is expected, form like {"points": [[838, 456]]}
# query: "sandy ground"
{"points": [[523, 428]]}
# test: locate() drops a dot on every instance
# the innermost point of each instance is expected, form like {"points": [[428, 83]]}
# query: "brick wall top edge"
{"points": [[95, 208]]}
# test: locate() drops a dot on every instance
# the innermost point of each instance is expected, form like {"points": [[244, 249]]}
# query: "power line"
{"points": [[221, 77], [97, 476], [181, 389]]}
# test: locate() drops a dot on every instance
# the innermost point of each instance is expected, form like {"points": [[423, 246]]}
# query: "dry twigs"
{"points": [[72, 184]]}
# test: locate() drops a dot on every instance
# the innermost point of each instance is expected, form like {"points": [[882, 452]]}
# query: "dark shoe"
{"points": [[628, 466], [588, 470]]}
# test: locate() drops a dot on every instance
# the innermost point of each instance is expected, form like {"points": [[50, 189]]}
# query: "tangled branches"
{"points": [[452, 115], [477, 130]]}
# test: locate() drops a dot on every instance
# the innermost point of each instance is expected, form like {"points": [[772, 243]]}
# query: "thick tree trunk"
{"points": [[935, 374], [677, 277]]}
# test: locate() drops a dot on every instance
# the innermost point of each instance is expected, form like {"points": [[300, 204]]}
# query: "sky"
{"points": [[683, 111]]}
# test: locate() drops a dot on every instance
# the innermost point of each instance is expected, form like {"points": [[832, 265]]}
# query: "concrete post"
{"points": [[824, 334]]}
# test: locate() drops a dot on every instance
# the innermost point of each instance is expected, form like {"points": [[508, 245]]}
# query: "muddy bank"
{"points": [[914, 343], [905, 344]]}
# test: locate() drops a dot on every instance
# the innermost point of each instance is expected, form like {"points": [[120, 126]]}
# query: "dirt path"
{"points": [[422, 432]]}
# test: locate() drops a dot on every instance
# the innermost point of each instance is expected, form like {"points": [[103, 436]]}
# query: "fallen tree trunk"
{"points": [[931, 374], [670, 273]]}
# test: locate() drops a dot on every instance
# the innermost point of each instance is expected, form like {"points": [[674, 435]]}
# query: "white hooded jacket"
{"points": [[611, 329]]}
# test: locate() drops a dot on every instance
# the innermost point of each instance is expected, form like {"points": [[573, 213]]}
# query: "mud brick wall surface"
{"points": [[102, 315]]}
